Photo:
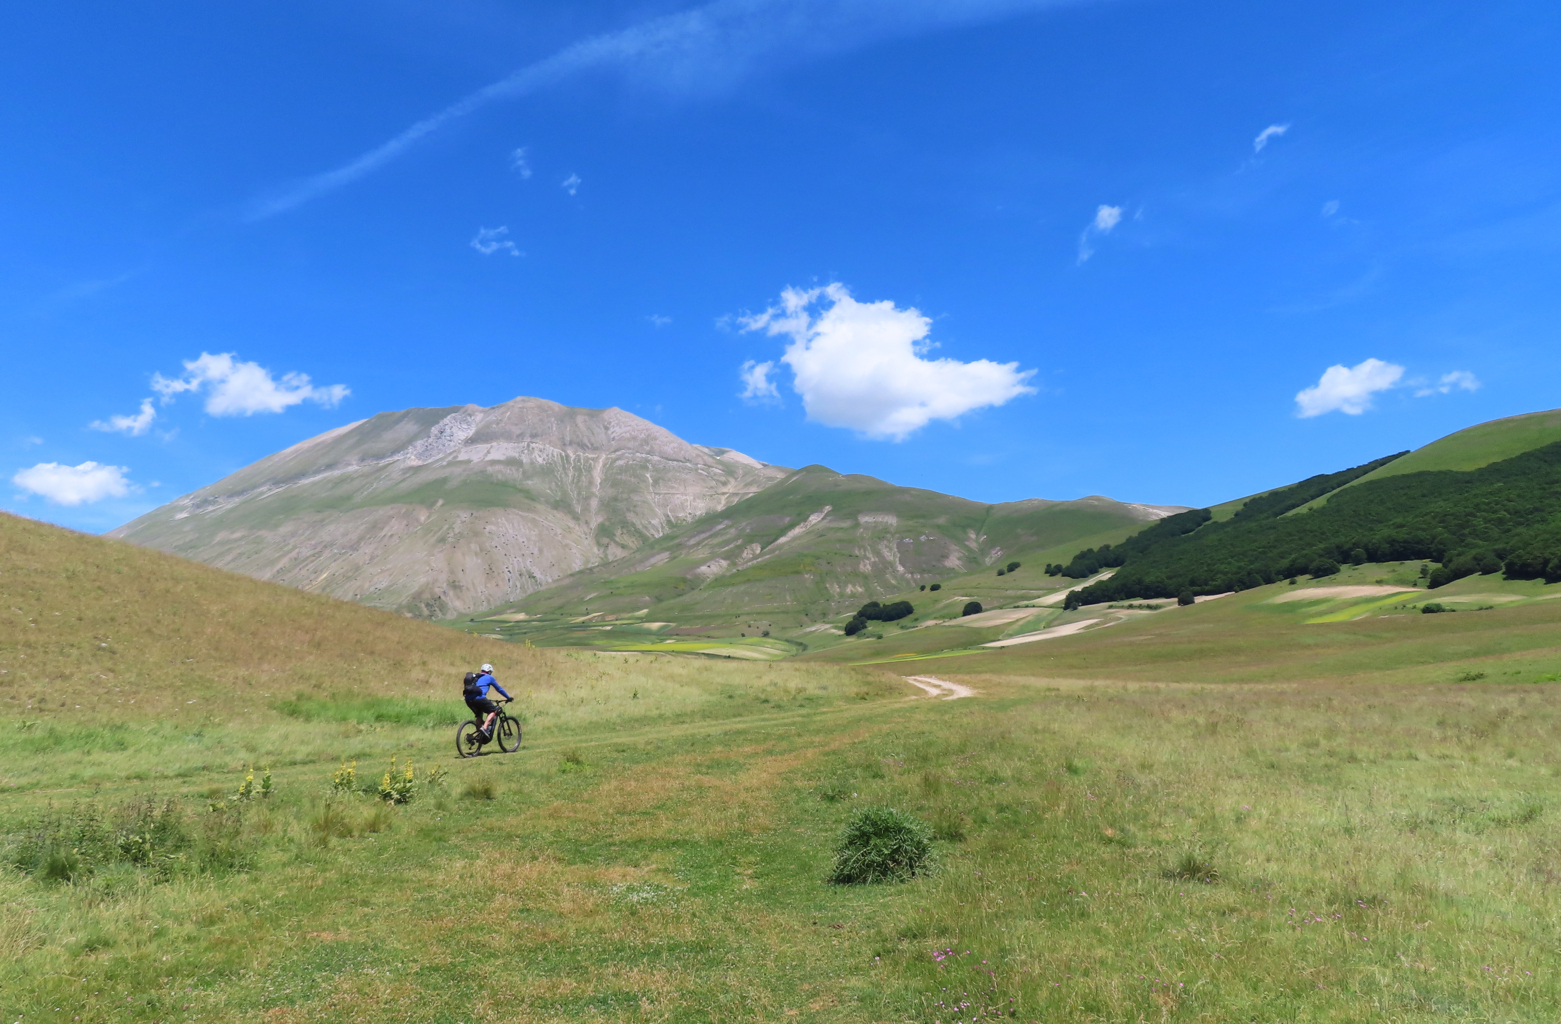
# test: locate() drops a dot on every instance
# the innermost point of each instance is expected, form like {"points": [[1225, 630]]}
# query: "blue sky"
{"points": [[1171, 252]]}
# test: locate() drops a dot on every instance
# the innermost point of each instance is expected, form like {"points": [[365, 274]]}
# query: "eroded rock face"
{"points": [[438, 512]]}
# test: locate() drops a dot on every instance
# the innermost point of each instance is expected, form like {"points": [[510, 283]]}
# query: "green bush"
{"points": [[936, 586], [1011, 566], [1324, 567], [881, 844], [973, 608], [1185, 598], [1432, 607]]}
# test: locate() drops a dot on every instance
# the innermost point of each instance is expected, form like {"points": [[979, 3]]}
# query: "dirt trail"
{"points": [[936, 687]]}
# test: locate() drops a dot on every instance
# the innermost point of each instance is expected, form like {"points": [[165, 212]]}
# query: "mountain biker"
{"points": [[475, 690]]}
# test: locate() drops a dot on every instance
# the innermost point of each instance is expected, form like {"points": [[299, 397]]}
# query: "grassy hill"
{"points": [[1230, 811], [778, 568], [1472, 447]]}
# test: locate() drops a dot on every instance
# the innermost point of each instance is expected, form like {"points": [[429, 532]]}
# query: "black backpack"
{"points": [[469, 687]]}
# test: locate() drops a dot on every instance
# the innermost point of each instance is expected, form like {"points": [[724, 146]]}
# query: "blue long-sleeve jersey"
{"points": [[485, 682]]}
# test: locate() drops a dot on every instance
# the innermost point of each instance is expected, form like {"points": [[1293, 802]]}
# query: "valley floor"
{"points": [[1107, 851]]}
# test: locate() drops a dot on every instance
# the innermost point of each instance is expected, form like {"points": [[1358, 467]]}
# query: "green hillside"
{"points": [[1503, 516], [1474, 447], [776, 570]]}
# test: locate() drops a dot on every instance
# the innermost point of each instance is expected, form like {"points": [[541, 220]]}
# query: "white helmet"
{"points": [[488, 669]]}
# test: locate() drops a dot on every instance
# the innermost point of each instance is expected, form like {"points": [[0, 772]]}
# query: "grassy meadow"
{"points": [[1223, 812]]}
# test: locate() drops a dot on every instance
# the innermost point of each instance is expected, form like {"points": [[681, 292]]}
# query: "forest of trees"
{"points": [[872, 611], [1502, 517]]}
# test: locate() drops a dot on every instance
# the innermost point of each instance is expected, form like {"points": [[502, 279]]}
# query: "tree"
{"points": [[924, 586], [936, 586], [973, 608], [1012, 566], [855, 626], [1358, 556], [1324, 567], [1000, 572], [1185, 598]]}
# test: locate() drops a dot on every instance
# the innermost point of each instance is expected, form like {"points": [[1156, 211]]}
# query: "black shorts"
{"points": [[482, 707]]}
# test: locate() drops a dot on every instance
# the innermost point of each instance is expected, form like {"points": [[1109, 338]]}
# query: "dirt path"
{"points": [[936, 687]]}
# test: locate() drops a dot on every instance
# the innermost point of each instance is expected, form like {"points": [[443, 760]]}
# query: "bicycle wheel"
{"points": [[508, 734], [468, 740]]}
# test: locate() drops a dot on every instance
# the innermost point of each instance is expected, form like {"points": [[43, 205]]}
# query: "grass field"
{"points": [[1215, 813]]}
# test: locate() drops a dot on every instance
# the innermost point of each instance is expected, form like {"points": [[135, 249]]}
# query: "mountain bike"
{"points": [[470, 739]]}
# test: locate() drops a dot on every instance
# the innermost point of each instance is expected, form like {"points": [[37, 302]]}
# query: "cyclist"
{"points": [[475, 690]]}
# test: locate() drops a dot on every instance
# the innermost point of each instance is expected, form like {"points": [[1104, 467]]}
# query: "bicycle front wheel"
{"points": [[508, 733], [468, 740]]}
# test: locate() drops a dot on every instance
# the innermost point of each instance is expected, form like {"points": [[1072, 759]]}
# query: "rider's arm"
{"points": [[496, 686]]}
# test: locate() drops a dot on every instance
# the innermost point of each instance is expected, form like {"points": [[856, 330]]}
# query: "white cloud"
{"points": [[757, 384], [1106, 218], [657, 320], [1458, 380], [492, 240], [74, 485], [135, 425], [519, 163], [571, 184], [32, 440], [716, 43], [1273, 131], [861, 365], [1347, 389], [1330, 208], [243, 389]]}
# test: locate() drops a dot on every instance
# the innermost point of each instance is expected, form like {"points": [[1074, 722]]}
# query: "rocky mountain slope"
{"points": [[437, 512]]}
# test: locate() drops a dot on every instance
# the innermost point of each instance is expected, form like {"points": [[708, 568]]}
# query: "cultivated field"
{"points": [[1294, 821]]}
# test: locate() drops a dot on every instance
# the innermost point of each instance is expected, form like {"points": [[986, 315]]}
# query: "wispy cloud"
{"points": [[135, 425], [1457, 380], [1106, 218], [519, 163], [1273, 131], [492, 240], [236, 388], [1347, 389], [657, 320], [571, 184], [716, 43], [863, 365], [74, 485], [757, 385]]}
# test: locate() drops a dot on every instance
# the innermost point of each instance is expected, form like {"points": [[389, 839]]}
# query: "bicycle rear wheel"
{"points": [[508, 734], [468, 740]]}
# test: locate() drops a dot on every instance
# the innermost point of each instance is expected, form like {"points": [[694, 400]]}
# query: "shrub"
{"points": [[572, 760], [1011, 566], [881, 844], [936, 586], [1358, 556], [1432, 607], [1192, 868], [973, 608], [856, 625], [1000, 572], [1186, 598], [924, 586], [1324, 567], [873, 611], [345, 780], [397, 786]]}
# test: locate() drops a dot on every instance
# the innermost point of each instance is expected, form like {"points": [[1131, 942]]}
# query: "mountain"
{"points": [[1482, 501], [819, 542], [439, 512]]}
